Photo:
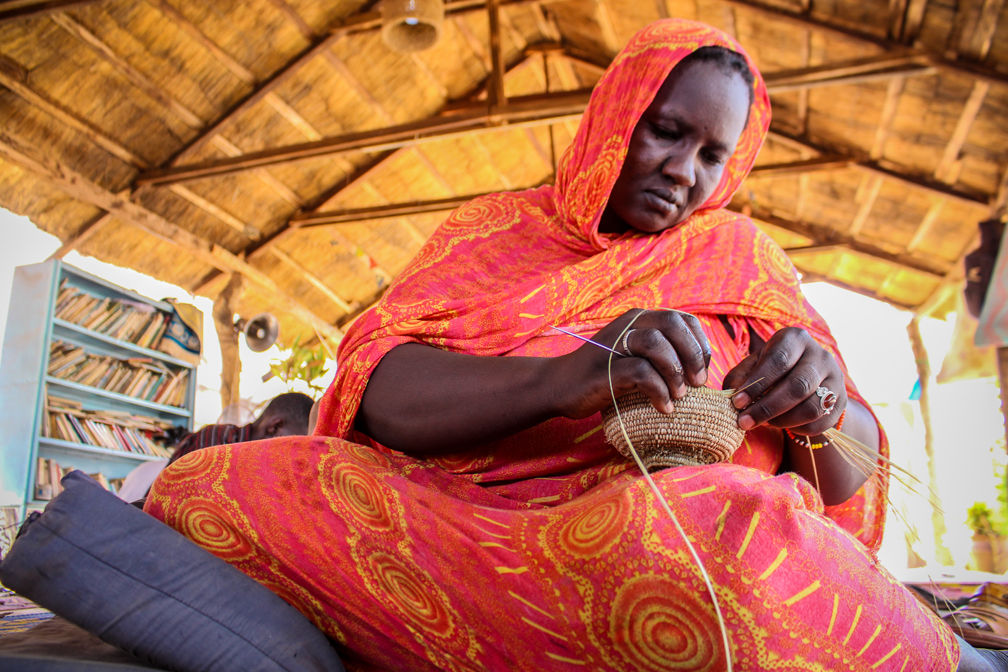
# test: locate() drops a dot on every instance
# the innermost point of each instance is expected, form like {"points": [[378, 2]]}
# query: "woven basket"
{"points": [[703, 429]]}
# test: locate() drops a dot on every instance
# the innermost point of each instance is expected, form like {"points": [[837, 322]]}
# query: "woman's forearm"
{"points": [[836, 479], [423, 400]]}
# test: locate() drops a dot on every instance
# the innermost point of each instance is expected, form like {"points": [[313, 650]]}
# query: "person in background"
{"points": [[285, 415]]}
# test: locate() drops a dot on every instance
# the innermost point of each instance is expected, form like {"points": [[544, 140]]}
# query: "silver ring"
{"points": [[626, 347], [827, 399]]}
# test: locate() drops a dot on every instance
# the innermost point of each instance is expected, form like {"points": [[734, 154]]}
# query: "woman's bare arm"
{"points": [[423, 400]]}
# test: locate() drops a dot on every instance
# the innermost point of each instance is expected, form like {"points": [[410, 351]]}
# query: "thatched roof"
{"points": [[282, 140]]}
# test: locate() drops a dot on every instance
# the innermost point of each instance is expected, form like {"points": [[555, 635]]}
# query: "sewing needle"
{"points": [[588, 340]]}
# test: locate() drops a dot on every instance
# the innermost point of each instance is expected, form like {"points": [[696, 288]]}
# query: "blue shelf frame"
{"points": [[24, 379]]}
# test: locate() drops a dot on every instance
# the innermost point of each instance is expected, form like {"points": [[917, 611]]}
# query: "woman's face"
{"points": [[678, 150]]}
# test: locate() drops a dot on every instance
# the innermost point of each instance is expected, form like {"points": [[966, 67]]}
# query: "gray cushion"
{"points": [[139, 585]]}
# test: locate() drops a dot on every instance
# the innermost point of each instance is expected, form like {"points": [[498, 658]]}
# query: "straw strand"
{"points": [[668, 509]]}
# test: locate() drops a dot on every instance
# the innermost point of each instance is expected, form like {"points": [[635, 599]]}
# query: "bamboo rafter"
{"points": [[81, 188]]}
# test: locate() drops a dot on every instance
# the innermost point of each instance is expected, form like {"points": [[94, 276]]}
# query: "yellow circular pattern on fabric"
{"points": [[210, 526], [364, 497], [196, 464], [594, 531], [414, 593], [659, 626]]}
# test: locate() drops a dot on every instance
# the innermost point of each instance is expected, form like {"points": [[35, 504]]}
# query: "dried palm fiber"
{"points": [[702, 429]]}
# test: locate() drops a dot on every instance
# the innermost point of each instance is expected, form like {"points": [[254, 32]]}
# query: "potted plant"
{"points": [[990, 539], [303, 364]]}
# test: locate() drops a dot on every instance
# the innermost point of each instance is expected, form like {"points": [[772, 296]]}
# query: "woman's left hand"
{"points": [[780, 384]]}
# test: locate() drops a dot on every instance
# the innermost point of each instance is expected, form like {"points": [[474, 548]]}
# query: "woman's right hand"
{"points": [[668, 351]]}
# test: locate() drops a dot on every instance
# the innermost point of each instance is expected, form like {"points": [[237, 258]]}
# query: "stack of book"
{"points": [[48, 475], [131, 321], [136, 377], [68, 421]]}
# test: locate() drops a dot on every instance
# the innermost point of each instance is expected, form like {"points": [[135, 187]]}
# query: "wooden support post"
{"points": [[224, 309], [1002, 363], [942, 554], [497, 95]]}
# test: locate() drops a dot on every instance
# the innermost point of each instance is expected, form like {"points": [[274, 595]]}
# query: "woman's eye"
{"points": [[712, 158], [666, 133]]}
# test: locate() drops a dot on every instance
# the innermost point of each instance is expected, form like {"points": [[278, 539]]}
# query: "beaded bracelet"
{"points": [[805, 440], [808, 441]]}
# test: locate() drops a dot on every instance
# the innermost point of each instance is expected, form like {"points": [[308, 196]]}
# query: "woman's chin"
{"points": [[656, 224]]}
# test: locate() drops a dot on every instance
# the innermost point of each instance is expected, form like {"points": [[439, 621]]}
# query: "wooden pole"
{"points": [[497, 96], [1002, 364], [224, 308], [942, 554]]}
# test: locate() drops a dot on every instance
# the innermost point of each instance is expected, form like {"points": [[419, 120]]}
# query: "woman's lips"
{"points": [[665, 201]]}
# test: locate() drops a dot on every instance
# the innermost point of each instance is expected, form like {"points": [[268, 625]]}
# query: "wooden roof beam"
{"points": [[15, 78], [866, 197], [885, 170], [521, 111], [526, 110], [822, 235], [606, 27], [128, 72], [15, 10], [913, 19], [889, 109], [191, 29], [80, 188], [806, 21], [330, 217], [867, 70], [834, 74], [808, 276], [230, 262], [139, 79], [315, 281], [86, 232], [976, 46], [363, 21], [359, 177], [825, 162], [947, 171]]}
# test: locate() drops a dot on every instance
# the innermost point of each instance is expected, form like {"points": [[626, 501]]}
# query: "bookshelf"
{"points": [[82, 385]]}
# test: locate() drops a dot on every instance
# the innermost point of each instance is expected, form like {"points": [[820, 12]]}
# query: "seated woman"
{"points": [[502, 532]]}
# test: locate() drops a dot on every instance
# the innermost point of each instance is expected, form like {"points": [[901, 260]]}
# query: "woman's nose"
{"points": [[681, 168]]}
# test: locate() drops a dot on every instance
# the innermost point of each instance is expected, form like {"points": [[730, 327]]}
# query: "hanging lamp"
{"points": [[411, 25]]}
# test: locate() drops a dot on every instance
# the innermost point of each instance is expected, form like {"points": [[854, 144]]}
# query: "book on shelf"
{"points": [[67, 420], [122, 319], [49, 473], [137, 377]]}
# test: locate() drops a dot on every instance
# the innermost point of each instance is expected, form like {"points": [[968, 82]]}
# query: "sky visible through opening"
{"points": [[872, 337]]}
